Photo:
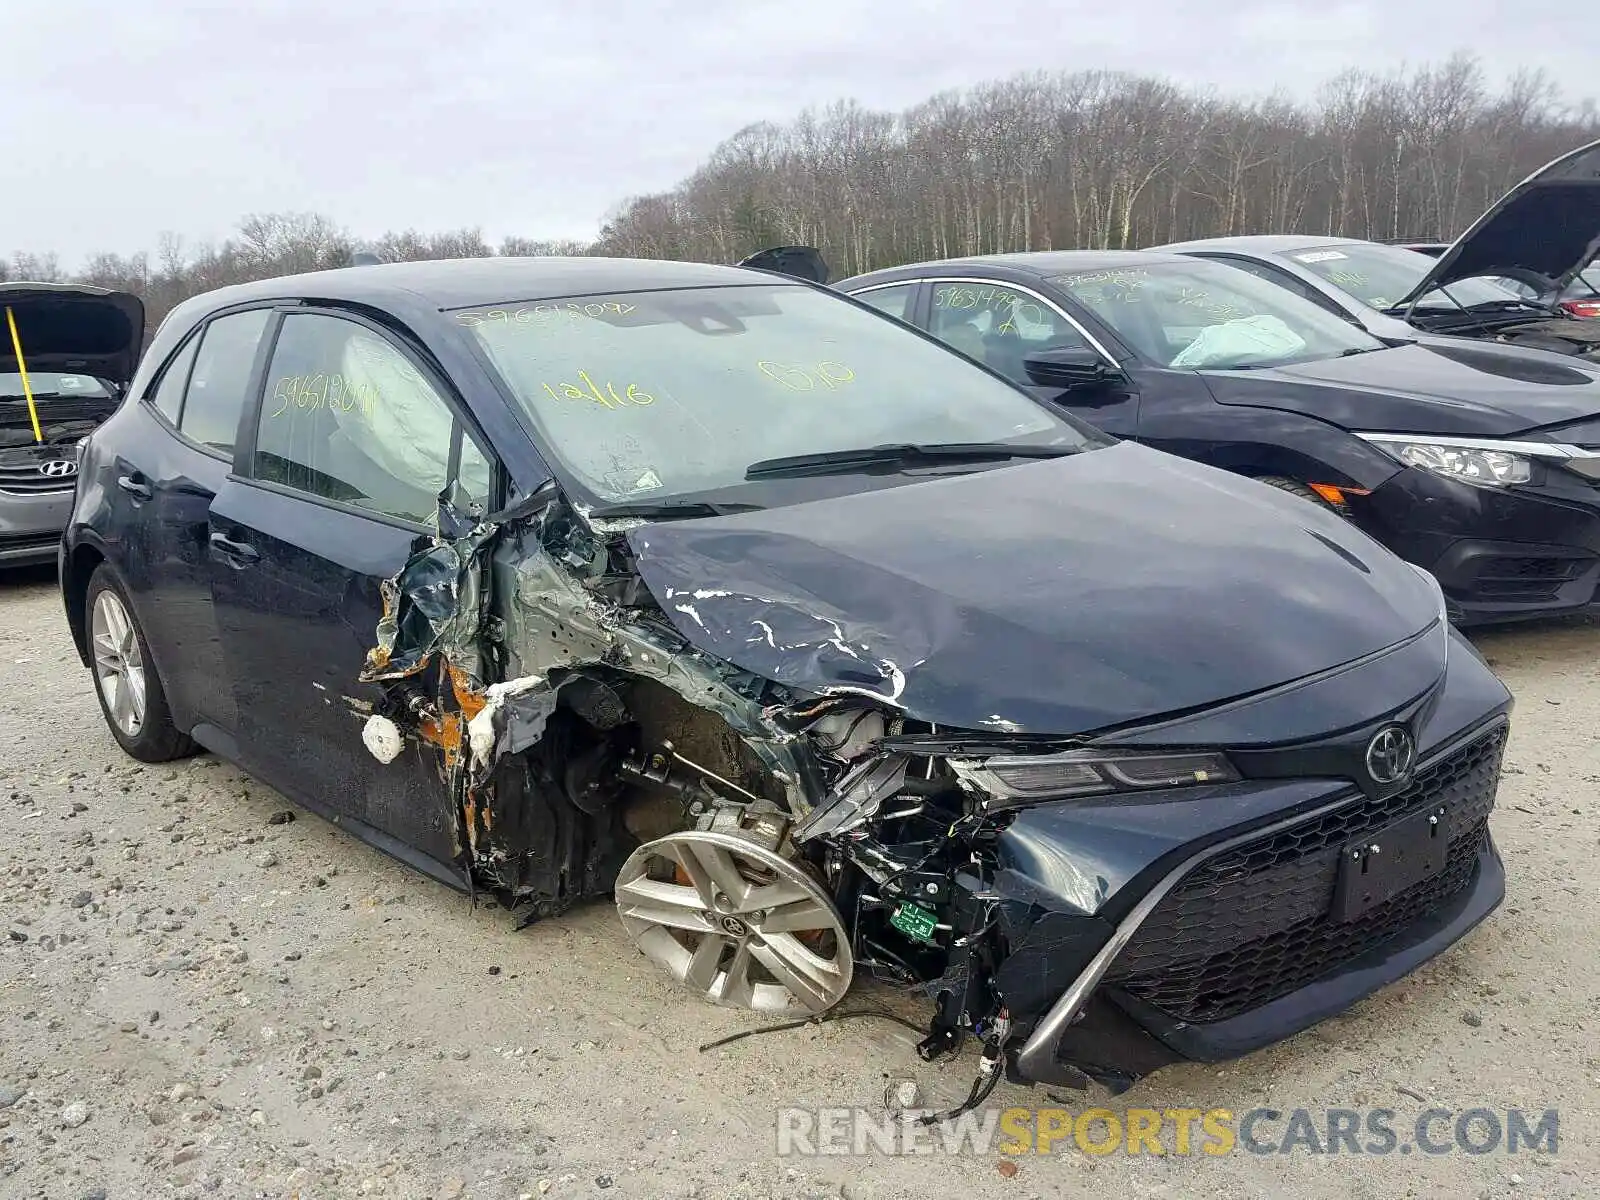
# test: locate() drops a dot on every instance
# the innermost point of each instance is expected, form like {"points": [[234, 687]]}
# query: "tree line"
{"points": [[1101, 160], [1087, 160]]}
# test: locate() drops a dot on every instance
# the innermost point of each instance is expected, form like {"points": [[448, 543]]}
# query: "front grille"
{"points": [[26, 479], [1254, 923], [28, 541]]}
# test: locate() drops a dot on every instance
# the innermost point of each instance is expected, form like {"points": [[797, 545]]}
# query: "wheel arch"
{"points": [[78, 569]]}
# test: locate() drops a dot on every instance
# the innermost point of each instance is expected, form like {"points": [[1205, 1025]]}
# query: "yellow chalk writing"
{"points": [[1002, 301], [545, 314], [828, 375], [331, 391], [609, 397]]}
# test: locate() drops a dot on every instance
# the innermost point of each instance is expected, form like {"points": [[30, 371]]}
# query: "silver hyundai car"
{"points": [[67, 352]]}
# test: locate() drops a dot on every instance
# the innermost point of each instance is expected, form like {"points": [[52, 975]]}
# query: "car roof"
{"points": [[1258, 243], [460, 282], [1039, 263]]}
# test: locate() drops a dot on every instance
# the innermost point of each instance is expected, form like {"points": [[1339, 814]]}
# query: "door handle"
{"points": [[135, 486], [238, 554]]}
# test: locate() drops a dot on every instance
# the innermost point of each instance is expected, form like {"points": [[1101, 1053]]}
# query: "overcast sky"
{"points": [[124, 118]]}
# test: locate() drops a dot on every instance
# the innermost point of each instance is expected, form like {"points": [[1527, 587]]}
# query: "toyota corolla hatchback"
{"points": [[819, 648]]}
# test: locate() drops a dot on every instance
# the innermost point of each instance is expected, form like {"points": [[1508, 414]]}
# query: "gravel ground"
{"points": [[202, 997]]}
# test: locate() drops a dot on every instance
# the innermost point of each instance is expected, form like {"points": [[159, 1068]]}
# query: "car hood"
{"points": [[1545, 230], [1442, 386], [1059, 597], [73, 328]]}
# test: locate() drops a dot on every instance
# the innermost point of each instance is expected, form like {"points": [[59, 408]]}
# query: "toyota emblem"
{"points": [[60, 468], [1390, 755]]}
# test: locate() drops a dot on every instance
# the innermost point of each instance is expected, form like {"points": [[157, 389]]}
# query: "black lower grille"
{"points": [[1534, 578], [1254, 923]]}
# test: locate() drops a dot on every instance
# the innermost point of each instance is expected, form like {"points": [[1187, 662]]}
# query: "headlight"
{"points": [[1489, 468], [1024, 778], [1484, 462]]}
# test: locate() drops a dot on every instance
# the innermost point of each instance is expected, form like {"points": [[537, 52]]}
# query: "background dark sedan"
{"points": [[1478, 463]]}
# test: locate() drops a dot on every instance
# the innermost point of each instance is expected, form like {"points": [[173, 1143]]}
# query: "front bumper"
{"points": [[31, 525], [1237, 945], [1501, 554]]}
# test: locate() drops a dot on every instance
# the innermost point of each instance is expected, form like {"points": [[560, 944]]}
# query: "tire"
{"points": [[125, 680], [1295, 488]]}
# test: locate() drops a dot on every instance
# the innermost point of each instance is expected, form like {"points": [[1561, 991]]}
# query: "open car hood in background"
{"points": [[798, 262], [1543, 231], [74, 329]]}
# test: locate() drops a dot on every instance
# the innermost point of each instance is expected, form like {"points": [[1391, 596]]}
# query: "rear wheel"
{"points": [[1295, 488], [131, 699]]}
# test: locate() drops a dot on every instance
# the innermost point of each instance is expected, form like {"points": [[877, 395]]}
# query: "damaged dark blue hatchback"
{"points": [[819, 647]]}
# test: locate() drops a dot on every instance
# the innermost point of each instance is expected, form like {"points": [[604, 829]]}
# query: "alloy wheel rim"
{"points": [[118, 665], [748, 929]]}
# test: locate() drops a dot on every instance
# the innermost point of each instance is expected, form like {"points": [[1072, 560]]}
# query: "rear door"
{"points": [[169, 467], [1000, 323], [349, 446]]}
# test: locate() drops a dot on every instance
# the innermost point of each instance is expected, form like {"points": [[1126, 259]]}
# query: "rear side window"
{"points": [[896, 301], [221, 378], [347, 417], [168, 396]]}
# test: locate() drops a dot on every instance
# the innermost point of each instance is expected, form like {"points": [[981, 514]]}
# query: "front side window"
{"points": [[346, 417], [999, 326], [646, 395], [1382, 276], [220, 381], [1196, 314]]}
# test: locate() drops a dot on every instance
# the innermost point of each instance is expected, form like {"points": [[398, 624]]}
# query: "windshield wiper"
{"points": [[674, 508], [899, 454], [1507, 305]]}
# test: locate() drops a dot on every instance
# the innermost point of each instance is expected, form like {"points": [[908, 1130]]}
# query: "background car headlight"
{"points": [[1493, 468], [1011, 780]]}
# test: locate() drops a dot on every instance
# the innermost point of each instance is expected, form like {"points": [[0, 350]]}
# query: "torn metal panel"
{"points": [[431, 606]]}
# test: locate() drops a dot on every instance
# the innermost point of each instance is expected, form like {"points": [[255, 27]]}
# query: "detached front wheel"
{"points": [[131, 697]]}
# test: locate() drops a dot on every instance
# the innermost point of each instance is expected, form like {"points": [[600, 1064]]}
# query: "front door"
{"points": [[350, 448]]}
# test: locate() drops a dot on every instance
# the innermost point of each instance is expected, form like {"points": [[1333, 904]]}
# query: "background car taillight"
{"points": [[1582, 308]]}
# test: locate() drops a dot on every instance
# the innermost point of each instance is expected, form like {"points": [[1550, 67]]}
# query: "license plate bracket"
{"points": [[1385, 862]]}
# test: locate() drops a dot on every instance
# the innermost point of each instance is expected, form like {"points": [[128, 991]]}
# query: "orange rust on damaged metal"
{"points": [[471, 700], [445, 732], [470, 805]]}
